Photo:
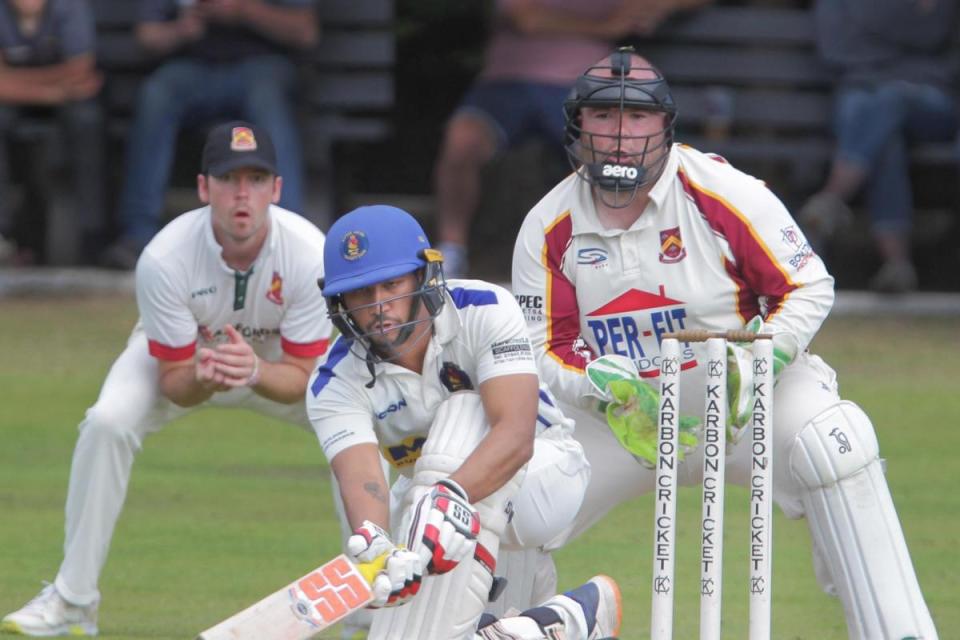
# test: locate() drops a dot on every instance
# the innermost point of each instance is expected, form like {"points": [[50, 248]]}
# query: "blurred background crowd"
{"points": [[452, 109]]}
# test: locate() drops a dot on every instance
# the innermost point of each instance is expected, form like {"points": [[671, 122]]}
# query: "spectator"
{"points": [[894, 87], [47, 69], [536, 50], [227, 58]]}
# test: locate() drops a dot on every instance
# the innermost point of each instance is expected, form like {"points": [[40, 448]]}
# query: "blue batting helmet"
{"points": [[369, 245], [372, 244]]}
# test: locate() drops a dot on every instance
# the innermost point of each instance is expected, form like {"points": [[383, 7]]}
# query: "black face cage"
{"points": [[429, 293], [619, 171]]}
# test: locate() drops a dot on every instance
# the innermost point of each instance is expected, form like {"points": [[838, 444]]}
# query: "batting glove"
{"points": [[630, 407], [402, 574], [444, 527]]}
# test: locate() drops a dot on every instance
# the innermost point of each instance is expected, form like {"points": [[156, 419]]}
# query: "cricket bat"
{"points": [[304, 607]]}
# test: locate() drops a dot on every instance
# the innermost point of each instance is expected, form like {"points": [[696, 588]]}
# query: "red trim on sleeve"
{"points": [[746, 304], [563, 312], [756, 266], [171, 354], [304, 349]]}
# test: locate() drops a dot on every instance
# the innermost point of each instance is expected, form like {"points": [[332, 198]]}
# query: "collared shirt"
{"points": [[713, 248], [186, 293], [478, 335]]}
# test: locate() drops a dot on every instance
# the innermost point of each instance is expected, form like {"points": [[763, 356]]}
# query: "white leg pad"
{"points": [[515, 628], [447, 606], [531, 579], [855, 526], [450, 605]]}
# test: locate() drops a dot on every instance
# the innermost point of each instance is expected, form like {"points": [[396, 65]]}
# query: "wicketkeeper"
{"points": [[439, 378], [648, 236]]}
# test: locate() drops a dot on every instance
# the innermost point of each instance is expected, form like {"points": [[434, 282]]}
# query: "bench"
{"points": [[750, 87], [347, 96]]}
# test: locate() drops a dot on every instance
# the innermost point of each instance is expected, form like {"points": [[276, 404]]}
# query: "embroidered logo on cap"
{"points": [[242, 139]]}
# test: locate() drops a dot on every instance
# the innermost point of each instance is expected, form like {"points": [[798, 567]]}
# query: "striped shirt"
{"points": [[713, 248]]}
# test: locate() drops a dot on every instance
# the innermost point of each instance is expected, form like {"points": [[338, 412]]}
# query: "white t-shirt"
{"points": [[713, 248], [478, 335], [186, 293]]}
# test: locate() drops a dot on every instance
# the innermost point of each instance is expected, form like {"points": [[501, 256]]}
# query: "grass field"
{"points": [[225, 506]]}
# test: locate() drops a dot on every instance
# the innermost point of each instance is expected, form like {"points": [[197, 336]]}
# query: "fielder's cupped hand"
{"points": [[444, 527], [235, 360], [403, 570]]}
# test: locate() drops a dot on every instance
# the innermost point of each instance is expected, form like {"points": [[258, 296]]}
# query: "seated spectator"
{"points": [[536, 50], [225, 59], [47, 69], [894, 87]]}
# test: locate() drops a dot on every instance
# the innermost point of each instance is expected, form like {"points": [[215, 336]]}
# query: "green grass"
{"points": [[225, 506]]}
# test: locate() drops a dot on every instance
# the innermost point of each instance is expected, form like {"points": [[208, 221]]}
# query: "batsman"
{"points": [[439, 379], [648, 236]]}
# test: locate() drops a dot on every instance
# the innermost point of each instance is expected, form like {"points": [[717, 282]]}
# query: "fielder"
{"points": [[228, 317], [440, 379], [648, 236]]}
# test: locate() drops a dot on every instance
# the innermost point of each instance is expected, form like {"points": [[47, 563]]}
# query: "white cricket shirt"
{"points": [[713, 248], [186, 293], [479, 334]]}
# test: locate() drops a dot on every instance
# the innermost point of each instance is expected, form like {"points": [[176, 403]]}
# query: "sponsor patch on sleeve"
{"points": [[532, 307], [511, 350]]}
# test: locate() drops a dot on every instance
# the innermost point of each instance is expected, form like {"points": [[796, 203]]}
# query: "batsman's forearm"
{"points": [[363, 487]]}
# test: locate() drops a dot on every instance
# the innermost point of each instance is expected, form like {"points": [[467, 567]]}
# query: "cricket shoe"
{"points": [[600, 600], [49, 615]]}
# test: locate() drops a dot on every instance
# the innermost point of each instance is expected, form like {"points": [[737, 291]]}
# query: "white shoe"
{"points": [[599, 600], [609, 611], [49, 614]]}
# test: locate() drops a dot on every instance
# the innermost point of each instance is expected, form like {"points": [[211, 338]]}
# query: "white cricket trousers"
{"points": [[129, 408]]}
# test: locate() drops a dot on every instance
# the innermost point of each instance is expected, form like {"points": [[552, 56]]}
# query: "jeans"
{"points": [[184, 91], [874, 128], [81, 131]]}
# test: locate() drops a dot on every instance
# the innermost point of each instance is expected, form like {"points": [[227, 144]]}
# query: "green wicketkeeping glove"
{"points": [[740, 374], [632, 417], [631, 405]]}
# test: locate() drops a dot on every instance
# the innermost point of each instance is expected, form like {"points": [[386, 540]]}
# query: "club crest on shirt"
{"points": [[275, 292], [671, 246], [242, 139], [454, 378], [354, 245]]}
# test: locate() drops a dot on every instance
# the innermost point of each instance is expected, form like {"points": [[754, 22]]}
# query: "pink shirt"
{"points": [[549, 59]]}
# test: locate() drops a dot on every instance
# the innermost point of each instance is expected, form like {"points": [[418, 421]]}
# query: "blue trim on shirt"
{"points": [[545, 398], [472, 297], [544, 421], [325, 374]]}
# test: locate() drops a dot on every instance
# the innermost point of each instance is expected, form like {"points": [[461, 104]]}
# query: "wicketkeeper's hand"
{"points": [[740, 374], [444, 527], [631, 405], [402, 573]]}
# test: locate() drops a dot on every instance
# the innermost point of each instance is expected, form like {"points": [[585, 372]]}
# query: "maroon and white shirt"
{"points": [[713, 248], [187, 294]]}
